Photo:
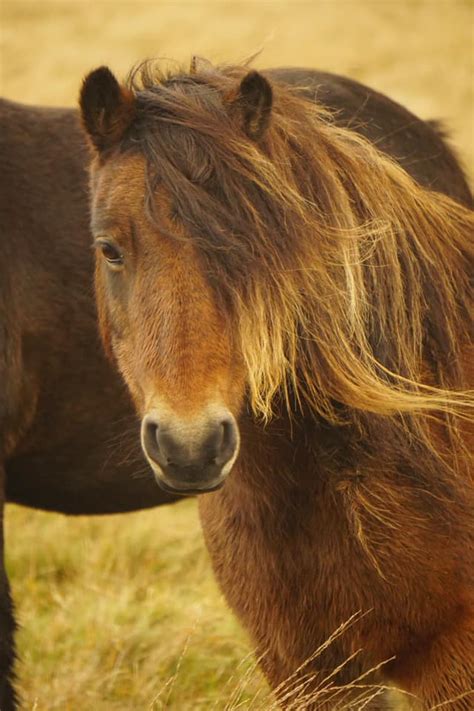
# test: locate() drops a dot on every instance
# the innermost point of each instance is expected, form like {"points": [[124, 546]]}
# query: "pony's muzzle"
{"points": [[190, 457]]}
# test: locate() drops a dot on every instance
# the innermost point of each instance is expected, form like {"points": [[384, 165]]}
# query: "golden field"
{"points": [[121, 612]]}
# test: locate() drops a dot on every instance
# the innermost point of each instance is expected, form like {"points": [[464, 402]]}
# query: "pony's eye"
{"points": [[111, 253]]}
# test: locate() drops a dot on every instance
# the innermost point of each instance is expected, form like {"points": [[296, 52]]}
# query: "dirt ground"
{"points": [[122, 613]]}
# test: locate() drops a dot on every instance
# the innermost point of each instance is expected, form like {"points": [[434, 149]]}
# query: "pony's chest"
{"points": [[297, 557]]}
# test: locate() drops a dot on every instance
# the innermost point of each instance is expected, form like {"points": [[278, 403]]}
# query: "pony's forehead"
{"points": [[177, 147], [118, 185], [122, 174], [124, 201], [188, 125]]}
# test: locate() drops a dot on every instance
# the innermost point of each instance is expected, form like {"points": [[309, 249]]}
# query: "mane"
{"points": [[347, 281]]}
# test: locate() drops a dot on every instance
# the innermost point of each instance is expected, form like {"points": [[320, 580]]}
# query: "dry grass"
{"points": [[122, 612]]}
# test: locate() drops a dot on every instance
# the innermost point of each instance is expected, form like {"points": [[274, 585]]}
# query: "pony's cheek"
{"points": [[118, 323], [120, 341], [126, 364]]}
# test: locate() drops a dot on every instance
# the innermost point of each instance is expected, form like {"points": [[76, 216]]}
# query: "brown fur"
{"points": [[304, 279]]}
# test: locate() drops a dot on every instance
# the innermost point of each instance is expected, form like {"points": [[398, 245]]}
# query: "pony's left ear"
{"points": [[254, 102], [107, 108]]}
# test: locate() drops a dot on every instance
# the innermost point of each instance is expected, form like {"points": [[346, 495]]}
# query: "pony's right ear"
{"points": [[107, 108]]}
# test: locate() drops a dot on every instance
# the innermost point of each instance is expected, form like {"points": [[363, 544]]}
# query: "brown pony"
{"points": [[290, 309]]}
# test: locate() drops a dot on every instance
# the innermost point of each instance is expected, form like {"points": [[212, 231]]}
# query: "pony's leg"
{"points": [[7, 623], [444, 675]]}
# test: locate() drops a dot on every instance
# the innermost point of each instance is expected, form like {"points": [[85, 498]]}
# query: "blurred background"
{"points": [[122, 612]]}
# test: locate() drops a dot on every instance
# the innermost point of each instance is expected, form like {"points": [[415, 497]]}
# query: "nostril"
{"points": [[150, 435], [152, 432], [226, 426], [228, 440], [228, 431]]}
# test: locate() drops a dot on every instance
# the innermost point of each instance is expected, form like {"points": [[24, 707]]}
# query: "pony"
{"points": [[68, 432], [284, 288]]}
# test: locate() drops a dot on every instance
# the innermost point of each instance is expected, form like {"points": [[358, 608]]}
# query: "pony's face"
{"points": [[169, 329], [167, 332]]}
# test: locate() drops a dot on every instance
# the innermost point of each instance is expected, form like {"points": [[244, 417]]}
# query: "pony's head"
{"points": [[249, 251], [170, 331]]}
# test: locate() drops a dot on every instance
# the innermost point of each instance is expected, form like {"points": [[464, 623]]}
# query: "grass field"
{"points": [[122, 612]]}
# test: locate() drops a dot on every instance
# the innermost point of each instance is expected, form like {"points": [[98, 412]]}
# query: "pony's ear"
{"points": [[254, 102], [107, 108]]}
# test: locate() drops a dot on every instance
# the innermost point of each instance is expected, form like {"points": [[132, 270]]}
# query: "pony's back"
{"points": [[420, 147]]}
